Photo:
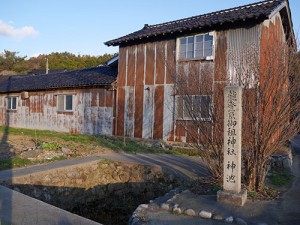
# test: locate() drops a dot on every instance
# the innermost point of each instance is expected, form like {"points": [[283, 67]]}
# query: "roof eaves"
{"points": [[183, 26]]}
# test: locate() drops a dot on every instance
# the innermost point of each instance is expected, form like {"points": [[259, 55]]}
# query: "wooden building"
{"points": [[79, 101], [161, 68], [149, 104]]}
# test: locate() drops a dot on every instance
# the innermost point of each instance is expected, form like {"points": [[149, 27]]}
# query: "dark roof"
{"points": [[42, 71], [87, 77], [255, 13]]}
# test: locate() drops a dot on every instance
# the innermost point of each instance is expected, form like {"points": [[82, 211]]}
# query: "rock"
{"points": [[240, 221], [205, 215], [153, 206], [67, 151], [218, 217], [229, 219], [177, 210], [159, 144], [189, 212], [73, 174], [165, 206], [286, 163]]}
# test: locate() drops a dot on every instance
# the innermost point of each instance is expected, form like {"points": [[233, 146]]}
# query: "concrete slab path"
{"points": [[184, 166], [284, 211]]}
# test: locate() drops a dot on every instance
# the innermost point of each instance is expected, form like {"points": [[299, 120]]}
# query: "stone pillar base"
{"points": [[236, 199]]}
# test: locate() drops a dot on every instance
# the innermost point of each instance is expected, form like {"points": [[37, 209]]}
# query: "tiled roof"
{"points": [[256, 11], [87, 77]]}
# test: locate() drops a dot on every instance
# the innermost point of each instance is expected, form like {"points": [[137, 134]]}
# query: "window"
{"points": [[11, 103], [193, 107], [64, 102], [199, 46]]}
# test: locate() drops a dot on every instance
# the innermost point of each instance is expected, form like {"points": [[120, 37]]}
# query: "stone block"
{"points": [[236, 199], [189, 212], [205, 215]]}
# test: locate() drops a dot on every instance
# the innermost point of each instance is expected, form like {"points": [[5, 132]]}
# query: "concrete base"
{"points": [[236, 199]]}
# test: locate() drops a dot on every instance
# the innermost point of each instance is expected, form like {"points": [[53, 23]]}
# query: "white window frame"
{"points": [[64, 103], [211, 57], [9, 105], [188, 117]]}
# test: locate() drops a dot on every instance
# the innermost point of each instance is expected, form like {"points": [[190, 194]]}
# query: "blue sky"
{"points": [[32, 27]]}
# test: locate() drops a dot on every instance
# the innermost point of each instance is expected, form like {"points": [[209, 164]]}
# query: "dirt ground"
{"points": [[25, 146]]}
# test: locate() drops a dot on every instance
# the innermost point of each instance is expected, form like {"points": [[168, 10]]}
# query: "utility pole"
{"points": [[47, 66]]}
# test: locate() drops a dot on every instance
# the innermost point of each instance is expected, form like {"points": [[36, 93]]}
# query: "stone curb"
{"points": [[138, 217]]}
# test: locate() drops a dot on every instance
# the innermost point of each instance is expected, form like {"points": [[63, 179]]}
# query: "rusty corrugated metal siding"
{"points": [[145, 90], [92, 111]]}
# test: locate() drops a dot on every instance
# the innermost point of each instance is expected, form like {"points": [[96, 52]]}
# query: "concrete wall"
{"points": [[103, 188], [93, 111]]}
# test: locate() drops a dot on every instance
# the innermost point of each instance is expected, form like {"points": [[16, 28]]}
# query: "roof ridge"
{"points": [[254, 12], [212, 13]]}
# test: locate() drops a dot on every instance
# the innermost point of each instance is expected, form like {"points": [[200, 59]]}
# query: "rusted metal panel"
{"points": [[138, 113], [131, 66], [158, 112], [109, 97], [180, 133], [40, 112], [120, 111], [150, 63], [129, 111], [170, 65], [101, 97], [160, 62], [148, 112], [140, 65], [122, 66], [220, 56]]}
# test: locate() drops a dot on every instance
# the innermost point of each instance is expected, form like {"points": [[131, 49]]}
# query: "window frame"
{"points": [[64, 103], [9, 103], [186, 58], [188, 117]]}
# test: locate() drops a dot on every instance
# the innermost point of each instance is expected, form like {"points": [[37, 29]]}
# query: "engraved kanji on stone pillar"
{"points": [[232, 139]]}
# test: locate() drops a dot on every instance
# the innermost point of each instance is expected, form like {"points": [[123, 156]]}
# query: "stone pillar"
{"points": [[232, 192]]}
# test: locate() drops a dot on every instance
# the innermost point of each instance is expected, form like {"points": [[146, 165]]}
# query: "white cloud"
{"points": [[35, 55], [8, 30]]}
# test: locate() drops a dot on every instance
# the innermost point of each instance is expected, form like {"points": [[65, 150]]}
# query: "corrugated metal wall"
{"points": [[145, 90], [243, 47], [92, 112]]}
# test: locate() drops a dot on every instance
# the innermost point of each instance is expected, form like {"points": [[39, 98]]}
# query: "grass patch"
{"points": [[79, 138], [14, 163], [117, 144], [252, 194], [50, 146], [186, 151], [280, 179]]}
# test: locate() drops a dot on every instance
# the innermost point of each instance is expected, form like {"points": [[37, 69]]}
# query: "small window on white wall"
{"points": [[64, 102], [11, 103]]}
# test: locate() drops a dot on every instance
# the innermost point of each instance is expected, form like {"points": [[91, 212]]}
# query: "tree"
{"points": [[271, 82], [11, 61]]}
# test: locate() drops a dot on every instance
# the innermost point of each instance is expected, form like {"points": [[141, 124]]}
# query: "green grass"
{"points": [[53, 141], [50, 146], [14, 163], [117, 144], [186, 151], [280, 179], [79, 138]]}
